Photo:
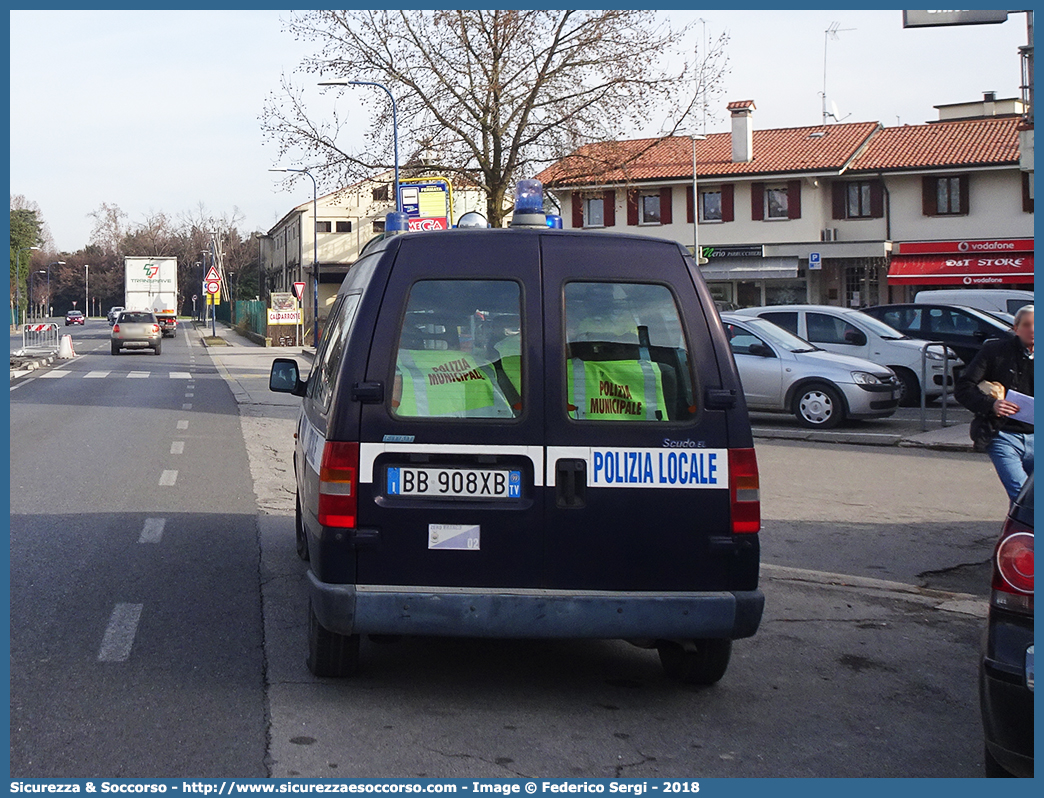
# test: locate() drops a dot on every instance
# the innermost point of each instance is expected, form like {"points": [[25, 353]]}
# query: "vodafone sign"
{"points": [[991, 247], [430, 223]]}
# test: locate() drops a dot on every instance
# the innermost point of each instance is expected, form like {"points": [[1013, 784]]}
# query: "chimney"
{"points": [[742, 130], [989, 103]]}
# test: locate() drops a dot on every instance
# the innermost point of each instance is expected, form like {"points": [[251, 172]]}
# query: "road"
{"points": [[866, 679]]}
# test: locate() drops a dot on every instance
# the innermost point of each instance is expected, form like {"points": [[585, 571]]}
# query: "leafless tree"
{"points": [[487, 97]]}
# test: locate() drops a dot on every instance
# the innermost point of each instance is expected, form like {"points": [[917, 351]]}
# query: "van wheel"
{"points": [[909, 387], [115, 348], [302, 541], [818, 406], [695, 662], [330, 654]]}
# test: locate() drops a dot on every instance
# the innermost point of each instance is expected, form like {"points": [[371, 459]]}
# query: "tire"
{"points": [[115, 347], [696, 662], [909, 387], [330, 654], [157, 348], [993, 768], [302, 540], [818, 406]]}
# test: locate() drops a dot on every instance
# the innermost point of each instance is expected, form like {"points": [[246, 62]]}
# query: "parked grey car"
{"points": [[136, 329], [784, 373]]}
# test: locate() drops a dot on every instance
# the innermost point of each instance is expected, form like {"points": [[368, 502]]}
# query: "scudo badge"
{"points": [[688, 443]]}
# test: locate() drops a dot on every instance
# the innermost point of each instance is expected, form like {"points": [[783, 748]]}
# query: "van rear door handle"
{"points": [[721, 398], [368, 392], [571, 483]]}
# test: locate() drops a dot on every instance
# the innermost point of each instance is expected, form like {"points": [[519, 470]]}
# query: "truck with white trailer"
{"points": [[152, 284]]}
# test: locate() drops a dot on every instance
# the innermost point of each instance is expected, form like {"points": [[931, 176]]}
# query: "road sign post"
{"points": [[212, 285], [299, 289]]}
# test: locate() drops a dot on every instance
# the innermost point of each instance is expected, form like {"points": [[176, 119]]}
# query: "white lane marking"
{"points": [[190, 386], [138, 375], [177, 447], [183, 424], [168, 477], [54, 375], [152, 532], [95, 375], [119, 634], [187, 406], [189, 394], [180, 375]]}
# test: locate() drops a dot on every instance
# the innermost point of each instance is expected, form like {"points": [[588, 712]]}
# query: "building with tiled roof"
{"points": [[817, 213]]}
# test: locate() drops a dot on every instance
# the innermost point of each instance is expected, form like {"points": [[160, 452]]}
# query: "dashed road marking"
{"points": [[54, 375], [189, 394], [180, 375], [138, 375], [187, 406], [152, 532], [183, 424], [119, 634], [96, 375], [168, 478], [177, 447]]}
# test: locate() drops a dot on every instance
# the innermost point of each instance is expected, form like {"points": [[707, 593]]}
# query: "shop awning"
{"points": [[961, 269], [756, 268]]}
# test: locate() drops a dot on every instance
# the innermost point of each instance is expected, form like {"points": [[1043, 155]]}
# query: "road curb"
{"points": [[32, 365], [945, 600], [860, 439]]}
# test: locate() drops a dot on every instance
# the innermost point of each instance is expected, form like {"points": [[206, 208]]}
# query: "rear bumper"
{"points": [[534, 613]]}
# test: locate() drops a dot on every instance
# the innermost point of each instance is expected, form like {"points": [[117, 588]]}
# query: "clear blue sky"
{"points": [[158, 110]]}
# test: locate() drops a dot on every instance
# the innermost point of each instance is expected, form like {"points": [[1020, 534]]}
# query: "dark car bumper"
{"points": [[534, 613], [1005, 699]]}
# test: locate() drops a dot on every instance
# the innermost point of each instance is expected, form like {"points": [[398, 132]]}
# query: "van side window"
{"points": [[787, 319], [324, 374], [460, 351], [626, 355]]}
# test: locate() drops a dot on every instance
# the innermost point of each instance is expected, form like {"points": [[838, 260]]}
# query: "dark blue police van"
{"points": [[526, 433]]}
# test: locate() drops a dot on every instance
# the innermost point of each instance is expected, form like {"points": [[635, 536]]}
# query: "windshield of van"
{"points": [[879, 328], [776, 335], [460, 351]]}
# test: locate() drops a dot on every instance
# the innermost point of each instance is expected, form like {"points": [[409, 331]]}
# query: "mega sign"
{"points": [[439, 223]]}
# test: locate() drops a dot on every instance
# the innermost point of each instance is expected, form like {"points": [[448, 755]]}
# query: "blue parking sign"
{"points": [[815, 260]]}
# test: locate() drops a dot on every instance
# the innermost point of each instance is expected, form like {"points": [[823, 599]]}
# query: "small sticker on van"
{"points": [[454, 537], [399, 438]]}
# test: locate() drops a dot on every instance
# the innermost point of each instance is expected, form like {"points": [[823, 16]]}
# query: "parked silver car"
{"points": [[784, 373], [136, 329]]}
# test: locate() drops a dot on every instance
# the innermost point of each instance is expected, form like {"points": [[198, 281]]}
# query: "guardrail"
{"points": [[924, 381], [39, 338]]}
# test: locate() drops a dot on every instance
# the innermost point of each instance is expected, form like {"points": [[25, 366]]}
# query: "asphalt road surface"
{"points": [[859, 678], [136, 645]]}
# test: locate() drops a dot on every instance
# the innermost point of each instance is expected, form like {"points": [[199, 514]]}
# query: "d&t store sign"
{"points": [[974, 264]]}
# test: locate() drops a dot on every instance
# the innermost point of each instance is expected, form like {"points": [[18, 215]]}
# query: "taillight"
{"points": [[1013, 569], [338, 484], [115, 328], [155, 328], [744, 491]]}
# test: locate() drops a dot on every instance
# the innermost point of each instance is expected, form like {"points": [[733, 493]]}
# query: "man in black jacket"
{"points": [[1008, 441]]}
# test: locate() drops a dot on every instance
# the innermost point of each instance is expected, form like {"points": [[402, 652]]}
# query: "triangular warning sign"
{"points": [[212, 275]]}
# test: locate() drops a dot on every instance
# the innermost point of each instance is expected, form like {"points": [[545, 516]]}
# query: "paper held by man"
{"points": [[1024, 402]]}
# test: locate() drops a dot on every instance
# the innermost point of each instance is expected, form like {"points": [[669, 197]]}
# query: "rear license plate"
{"points": [[455, 483]]}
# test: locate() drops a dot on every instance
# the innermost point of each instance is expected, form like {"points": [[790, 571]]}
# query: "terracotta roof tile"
{"points": [[971, 142], [785, 150], [737, 104]]}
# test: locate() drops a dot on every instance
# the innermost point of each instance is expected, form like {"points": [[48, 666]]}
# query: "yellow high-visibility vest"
{"points": [[448, 383], [616, 390]]}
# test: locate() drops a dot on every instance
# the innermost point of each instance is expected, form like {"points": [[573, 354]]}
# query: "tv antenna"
{"points": [[830, 33]]}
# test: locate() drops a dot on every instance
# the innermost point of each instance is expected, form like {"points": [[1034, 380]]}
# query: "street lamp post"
{"points": [[49, 306], [695, 202], [315, 245], [87, 289], [32, 297], [18, 283], [395, 123]]}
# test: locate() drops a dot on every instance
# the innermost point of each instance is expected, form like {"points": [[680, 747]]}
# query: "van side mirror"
{"points": [[285, 377], [855, 337]]}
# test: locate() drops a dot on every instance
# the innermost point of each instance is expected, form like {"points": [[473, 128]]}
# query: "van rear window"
{"points": [[626, 354], [460, 351]]}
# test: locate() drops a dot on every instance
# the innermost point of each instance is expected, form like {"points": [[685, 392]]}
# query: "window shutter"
{"points": [[632, 207], [578, 210], [876, 199], [609, 208], [689, 204], [1027, 200], [666, 201], [728, 202], [963, 182], [793, 199], [929, 197], [839, 199], [757, 201]]}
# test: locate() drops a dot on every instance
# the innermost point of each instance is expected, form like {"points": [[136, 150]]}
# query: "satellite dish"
{"points": [[833, 110]]}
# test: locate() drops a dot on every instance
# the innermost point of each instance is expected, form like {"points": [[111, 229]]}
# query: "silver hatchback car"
{"points": [[136, 329], [783, 373]]}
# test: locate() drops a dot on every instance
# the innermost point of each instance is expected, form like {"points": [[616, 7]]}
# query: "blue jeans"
{"points": [[1012, 456]]}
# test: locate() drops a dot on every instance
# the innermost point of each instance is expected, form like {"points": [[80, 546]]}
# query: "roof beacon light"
{"points": [[554, 221], [396, 222], [529, 205]]}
